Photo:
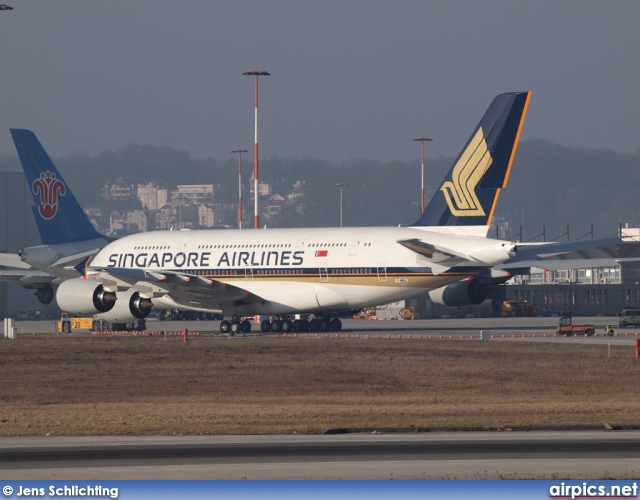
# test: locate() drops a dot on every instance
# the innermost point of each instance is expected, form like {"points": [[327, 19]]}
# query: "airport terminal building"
{"points": [[17, 230]]}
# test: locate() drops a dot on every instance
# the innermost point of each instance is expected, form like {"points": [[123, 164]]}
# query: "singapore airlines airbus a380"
{"points": [[323, 271], [277, 272]]}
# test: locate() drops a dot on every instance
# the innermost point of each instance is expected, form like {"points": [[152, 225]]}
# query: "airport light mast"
{"points": [[256, 217], [341, 185], [422, 141], [239, 151]]}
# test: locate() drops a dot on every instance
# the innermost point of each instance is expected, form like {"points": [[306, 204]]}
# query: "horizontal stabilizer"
{"points": [[438, 258]]}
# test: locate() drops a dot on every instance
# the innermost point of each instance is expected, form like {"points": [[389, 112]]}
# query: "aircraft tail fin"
{"points": [[470, 191], [59, 216]]}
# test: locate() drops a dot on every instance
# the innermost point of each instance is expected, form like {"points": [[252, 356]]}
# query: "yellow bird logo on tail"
{"points": [[472, 165]]}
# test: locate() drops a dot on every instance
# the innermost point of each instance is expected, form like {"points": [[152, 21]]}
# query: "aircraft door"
{"points": [[324, 275], [355, 244], [182, 246], [300, 242], [248, 274], [382, 272]]}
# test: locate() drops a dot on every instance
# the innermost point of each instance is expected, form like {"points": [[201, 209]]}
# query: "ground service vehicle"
{"points": [[629, 317], [409, 313], [566, 326], [68, 324]]}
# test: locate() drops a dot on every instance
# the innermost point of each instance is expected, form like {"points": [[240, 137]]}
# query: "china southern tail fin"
{"points": [[59, 217], [469, 193]]}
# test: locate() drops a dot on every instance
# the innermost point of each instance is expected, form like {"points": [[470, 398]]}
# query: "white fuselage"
{"points": [[300, 270]]}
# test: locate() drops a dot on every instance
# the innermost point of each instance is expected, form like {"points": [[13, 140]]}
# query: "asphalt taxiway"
{"points": [[429, 455]]}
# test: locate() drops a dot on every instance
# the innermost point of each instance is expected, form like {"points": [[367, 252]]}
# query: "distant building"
{"points": [[127, 222], [194, 194], [206, 216], [99, 219], [275, 210], [120, 190], [177, 217], [263, 188], [152, 196]]}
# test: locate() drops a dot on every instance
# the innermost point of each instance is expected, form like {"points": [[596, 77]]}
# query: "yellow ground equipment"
{"points": [[409, 313]]}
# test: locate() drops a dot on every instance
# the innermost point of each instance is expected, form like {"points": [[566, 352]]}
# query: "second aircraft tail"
{"points": [[59, 216], [470, 191]]}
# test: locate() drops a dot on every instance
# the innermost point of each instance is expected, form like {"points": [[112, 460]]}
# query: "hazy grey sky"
{"points": [[350, 79]]}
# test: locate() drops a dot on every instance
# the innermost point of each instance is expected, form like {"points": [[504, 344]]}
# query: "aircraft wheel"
{"points": [[305, 325], [298, 326], [180, 315], [324, 325], [95, 326], [162, 316], [336, 324], [245, 326], [314, 325], [235, 327], [276, 326], [287, 325], [225, 326], [202, 316], [265, 326]]}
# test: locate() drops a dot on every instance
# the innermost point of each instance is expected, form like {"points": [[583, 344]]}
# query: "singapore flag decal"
{"points": [[321, 253]]}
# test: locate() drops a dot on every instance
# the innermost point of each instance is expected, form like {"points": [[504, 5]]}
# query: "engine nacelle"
{"points": [[129, 307], [463, 293], [46, 295], [84, 298]]}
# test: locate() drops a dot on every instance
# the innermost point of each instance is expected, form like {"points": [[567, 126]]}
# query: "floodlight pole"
{"points": [[422, 141], [256, 218], [341, 185], [239, 151]]}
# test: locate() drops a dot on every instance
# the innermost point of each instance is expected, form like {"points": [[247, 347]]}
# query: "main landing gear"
{"points": [[236, 325], [287, 325], [281, 325]]}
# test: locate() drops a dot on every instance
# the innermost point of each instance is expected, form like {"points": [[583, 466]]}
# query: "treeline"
{"points": [[550, 184]]}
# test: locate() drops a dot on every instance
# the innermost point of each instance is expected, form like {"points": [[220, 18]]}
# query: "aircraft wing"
{"points": [[188, 290], [29, 278], [16, 271], [12, 260]]}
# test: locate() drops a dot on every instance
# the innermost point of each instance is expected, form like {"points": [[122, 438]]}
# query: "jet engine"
{"points": [[129, 307], [463, 293], [86, 298], [46, 295]]}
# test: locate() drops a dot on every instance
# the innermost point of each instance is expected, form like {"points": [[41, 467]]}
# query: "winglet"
{"points": [[59, 216], [81, 267], [470, 191]]}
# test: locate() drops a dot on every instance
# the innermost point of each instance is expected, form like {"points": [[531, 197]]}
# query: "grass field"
{"points": [[88, 385]]}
